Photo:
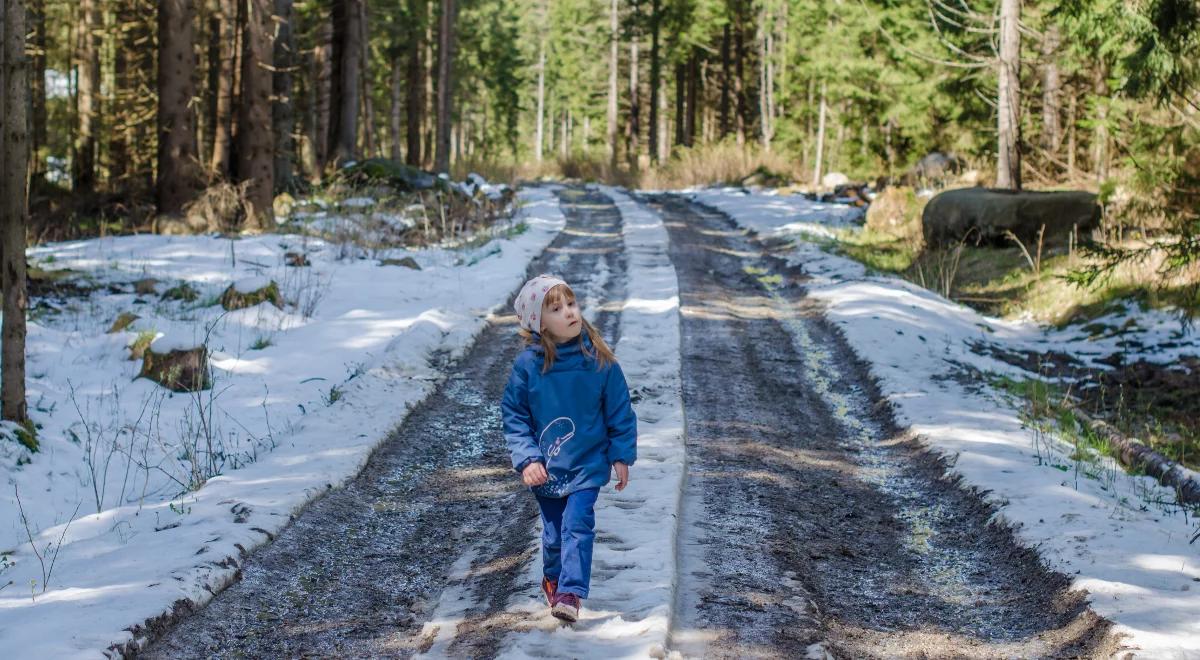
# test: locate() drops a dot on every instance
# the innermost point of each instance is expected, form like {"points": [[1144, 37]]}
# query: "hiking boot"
{"points": [[550, 588], [566, 608]]}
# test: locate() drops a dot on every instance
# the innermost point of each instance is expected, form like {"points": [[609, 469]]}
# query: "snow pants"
{"points": [[568, 530]]}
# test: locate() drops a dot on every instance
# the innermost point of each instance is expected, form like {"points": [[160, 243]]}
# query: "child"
{"points": [[568, 423]]}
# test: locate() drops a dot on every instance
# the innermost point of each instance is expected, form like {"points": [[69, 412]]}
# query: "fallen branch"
{"points": [[1137, 455]]}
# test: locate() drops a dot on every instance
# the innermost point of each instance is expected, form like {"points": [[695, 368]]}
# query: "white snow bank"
{"points": [[775, 213], [1107, 530], [628, 611], [296, 413]]}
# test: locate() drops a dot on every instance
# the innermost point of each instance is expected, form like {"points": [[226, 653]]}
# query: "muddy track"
{"points": [[361, 570], [809, 517]]}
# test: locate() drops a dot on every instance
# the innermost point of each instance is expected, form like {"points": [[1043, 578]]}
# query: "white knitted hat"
{"points": [[528, 304]]}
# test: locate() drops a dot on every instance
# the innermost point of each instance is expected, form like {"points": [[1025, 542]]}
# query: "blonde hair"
{"points": [[603, 355]]}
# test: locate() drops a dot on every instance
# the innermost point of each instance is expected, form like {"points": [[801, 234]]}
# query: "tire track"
{"points": [[817, 526], [360, 571]]}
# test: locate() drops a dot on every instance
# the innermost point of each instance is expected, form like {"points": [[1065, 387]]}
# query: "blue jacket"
{"points": [[575, 418]]}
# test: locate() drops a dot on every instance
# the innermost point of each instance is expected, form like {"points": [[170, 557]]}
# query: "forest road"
{"points": [[812, 525], [360, 571]]}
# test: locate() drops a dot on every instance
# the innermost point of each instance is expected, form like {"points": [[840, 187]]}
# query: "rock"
{"points": [[145, 287], [834, 179], [177, 367], [250, 292], [984, 215], [407, 262], [296, 259], [936, 166], [124, 320]]}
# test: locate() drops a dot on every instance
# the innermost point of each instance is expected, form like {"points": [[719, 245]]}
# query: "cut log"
{"points": [[987, 215], [177, 367], [1135, 455]]}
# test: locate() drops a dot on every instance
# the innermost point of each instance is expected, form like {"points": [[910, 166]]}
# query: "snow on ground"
{"points": [[301, 397], [628, 611], [1108, 530]]}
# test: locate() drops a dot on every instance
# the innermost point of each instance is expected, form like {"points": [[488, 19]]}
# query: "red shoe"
{"points": [[550, 588], [566, 608]]}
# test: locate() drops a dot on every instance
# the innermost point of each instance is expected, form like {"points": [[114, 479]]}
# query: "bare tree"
{"points": [[87, 96], [445, 83], [283, 114], [347, 74], [13, 209], [255, 148], [415, 101], [655, 77], [1051, 91], [178, 175], [1008, 109], [614, 43]]}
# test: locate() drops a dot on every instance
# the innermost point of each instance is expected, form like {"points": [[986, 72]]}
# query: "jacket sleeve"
{"points": [[518, 420], [619, 418]]}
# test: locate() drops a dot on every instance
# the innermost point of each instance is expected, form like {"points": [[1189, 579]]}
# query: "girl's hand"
{"points": [[622, 475], [534, 474]]}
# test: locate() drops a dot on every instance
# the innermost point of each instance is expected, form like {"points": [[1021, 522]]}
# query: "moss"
{"points": [[185, 292]]}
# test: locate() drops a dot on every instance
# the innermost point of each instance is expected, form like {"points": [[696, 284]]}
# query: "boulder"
{"points": [[250, 292], [985, 215], [179, 366]]}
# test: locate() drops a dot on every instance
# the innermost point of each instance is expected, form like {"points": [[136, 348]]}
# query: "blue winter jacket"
{"points": [[575, 418]]}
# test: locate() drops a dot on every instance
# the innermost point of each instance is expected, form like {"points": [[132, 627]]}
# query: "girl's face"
{"points": [[560, 315]]}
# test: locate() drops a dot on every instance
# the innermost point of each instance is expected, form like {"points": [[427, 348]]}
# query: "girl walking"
{"points": [[568, 424]]}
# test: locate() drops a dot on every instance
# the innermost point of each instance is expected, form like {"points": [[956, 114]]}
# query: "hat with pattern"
{"points": [[528, 304]]}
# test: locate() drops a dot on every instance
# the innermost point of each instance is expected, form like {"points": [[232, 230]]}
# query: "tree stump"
{"points": [[250, 292], [177, 366]]}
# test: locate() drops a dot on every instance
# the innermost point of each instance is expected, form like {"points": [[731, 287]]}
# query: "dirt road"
{"points": [[811, 525]]}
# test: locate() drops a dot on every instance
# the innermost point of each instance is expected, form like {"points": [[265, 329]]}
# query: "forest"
{"points": [[899, 296]]}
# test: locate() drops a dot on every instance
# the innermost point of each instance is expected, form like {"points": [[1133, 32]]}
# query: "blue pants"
{"points": [[568, 529]]}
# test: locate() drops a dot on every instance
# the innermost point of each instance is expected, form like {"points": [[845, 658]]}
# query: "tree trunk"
{"points": [[693, 79], [13, 210], [431, 65], [347, 73], [739, 81], [255, 152], [37, 87], [224, 33], [1051, 92], [541, 100], [680, 103], [614, 43], [447, 24], [816, 182], [366, 102], [178, 174], [283, 110], [396, 114], [655, 79], [1008, 120], [726, 83], [87, 97], [415, 101], [323, 93], [1100, 137], [634, 126], [767, 75]]}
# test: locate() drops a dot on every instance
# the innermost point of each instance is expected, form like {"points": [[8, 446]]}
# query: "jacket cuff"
{"points": [[525, 463]]}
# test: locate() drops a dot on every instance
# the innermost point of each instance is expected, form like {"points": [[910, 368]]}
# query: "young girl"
{"points": [[568, 423]]}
